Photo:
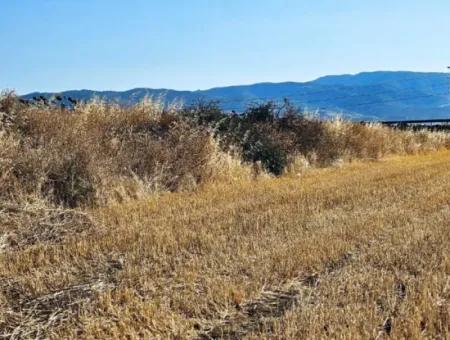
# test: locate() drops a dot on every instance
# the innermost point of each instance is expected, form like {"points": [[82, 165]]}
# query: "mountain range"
{"points": [[378, 95]]}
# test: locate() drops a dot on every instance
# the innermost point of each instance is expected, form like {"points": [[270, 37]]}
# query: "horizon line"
{"points": [[229, 86]]}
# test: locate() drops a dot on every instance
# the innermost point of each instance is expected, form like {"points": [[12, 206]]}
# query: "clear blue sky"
{"points": [[55, 45]]}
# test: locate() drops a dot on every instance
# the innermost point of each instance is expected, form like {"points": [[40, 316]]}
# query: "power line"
{"points": [[294, 99], [323, 108], [448, 78], [401, 99], [370, 94], [290, 94]]}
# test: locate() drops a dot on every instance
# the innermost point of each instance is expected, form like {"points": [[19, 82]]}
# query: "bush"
{"points": [[262, 113], [204, 112], [259, 148]]}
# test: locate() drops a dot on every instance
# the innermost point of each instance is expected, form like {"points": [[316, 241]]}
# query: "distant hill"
{"points": [[369, 96]]}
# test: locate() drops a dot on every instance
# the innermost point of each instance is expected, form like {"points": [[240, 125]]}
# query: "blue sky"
{"points": [[55, 45]]}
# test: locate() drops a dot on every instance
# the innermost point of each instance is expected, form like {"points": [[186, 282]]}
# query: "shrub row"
{"points": [[96, 151]]}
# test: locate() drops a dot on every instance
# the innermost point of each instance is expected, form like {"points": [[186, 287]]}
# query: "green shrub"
{"points": [[272, 157], [204, 112], [262, 113]]}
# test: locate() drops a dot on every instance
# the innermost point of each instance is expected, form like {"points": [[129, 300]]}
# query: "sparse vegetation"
{"points": [[153, 221]]}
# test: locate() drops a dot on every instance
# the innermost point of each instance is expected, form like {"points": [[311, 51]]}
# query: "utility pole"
{"points": [[448, 76]]}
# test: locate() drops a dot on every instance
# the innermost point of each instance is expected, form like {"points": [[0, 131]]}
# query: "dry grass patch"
{"points": [[244, 256], [27, 225]]}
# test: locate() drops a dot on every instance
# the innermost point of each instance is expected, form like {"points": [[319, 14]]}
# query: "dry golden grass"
{"points": [[360, 251], [98, 153], [93, 245]]}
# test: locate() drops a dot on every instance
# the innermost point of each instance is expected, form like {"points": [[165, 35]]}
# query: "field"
{"points": [[157, 221], [356, 251]]}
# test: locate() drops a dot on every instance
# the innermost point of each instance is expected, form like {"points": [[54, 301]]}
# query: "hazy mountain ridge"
{"points": [[370, 95]]}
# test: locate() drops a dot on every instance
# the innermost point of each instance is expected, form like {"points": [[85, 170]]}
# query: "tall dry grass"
{"points": [[374, 141], [99, 152]]}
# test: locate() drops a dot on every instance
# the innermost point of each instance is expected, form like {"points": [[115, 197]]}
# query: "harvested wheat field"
{"points": [[360, 251]]}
